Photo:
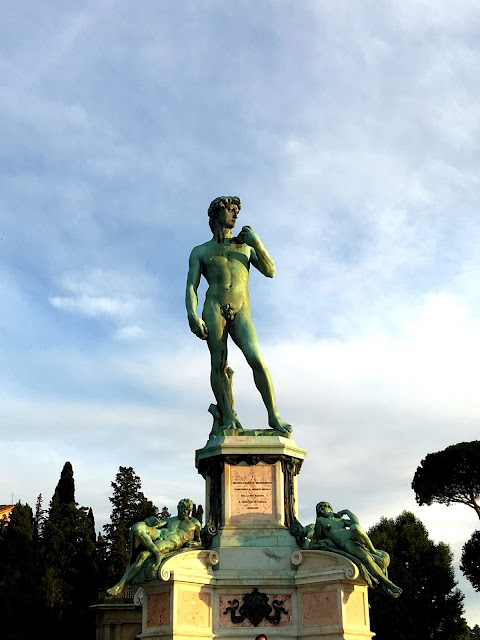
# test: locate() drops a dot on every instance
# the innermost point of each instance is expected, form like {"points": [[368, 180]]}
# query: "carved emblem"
{"points": [[255, 608]]}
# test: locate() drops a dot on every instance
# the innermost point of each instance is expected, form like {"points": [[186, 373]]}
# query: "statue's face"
{"points": [[229, 216], [324, 509], [184, 510]]}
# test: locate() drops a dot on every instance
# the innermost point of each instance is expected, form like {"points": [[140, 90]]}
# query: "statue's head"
{"points": [[184, 507], [324, 508], [217, 208]]}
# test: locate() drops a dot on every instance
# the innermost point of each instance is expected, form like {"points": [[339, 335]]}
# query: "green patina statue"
{"points": [[225, 261], [152, 540], [333, 532]]}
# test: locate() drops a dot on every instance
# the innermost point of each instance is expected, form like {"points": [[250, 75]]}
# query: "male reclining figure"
{"points": [[152, 539]]}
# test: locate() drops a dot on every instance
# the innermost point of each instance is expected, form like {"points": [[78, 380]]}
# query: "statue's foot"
{"points": [[230, 424], [114, 591], [238, 424], [278, 424], [394, 591]]}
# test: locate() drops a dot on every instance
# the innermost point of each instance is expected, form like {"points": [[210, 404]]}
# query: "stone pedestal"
{"points": [[253, 578], [251, 488], [332, 598], [180, 603]]}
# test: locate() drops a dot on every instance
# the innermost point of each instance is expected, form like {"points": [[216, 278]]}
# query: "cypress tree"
{"points": [[164, 513], [129, 506], [71, 572], [39, 518], [21, 595]]}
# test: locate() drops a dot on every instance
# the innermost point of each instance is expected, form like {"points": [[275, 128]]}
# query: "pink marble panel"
{"points": [[193, 608], [320, 608], [158, 609], [251, 490], [226, 619]]}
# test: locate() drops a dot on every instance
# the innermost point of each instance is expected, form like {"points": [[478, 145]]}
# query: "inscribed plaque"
{"points": [[251, 490]]}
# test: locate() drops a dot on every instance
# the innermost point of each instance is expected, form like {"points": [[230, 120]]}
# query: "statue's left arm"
{"points": [[260, 258], [352, 518]]}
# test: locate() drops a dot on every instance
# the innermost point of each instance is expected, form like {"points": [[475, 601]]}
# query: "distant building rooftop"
{"points": [[6, 510]]}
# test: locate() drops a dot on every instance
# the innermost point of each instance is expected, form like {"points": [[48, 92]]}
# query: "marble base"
{"points": [[253, 578], [319, 594]]}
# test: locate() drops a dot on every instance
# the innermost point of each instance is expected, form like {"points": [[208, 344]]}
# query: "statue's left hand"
{"points": [[192, 545], [248, 236]]}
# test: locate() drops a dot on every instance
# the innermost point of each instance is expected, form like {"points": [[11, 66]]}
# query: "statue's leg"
{"points": [[217, 343], [373, 568], [244, 335], [358, 534], [130, 573]]}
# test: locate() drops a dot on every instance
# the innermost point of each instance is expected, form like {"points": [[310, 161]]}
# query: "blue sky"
{"points": [[351, 132]]}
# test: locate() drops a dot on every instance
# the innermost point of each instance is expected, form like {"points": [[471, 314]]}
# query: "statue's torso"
{"points": [[334, 529], [226, 269], [179, 531]]}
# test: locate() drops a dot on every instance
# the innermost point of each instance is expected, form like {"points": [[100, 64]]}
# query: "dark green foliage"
{"points": [[21, 597], [51, 562], [475, 633], [451, 475], [470, 565], [65, 491], [101, 547], [164, 514], [129, 506], [430, 607], [39, 519], [118, 556], [70, 581]]}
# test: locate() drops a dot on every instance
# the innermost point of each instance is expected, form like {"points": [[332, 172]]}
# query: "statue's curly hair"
{"points": [[218, 205], [325, 503], [185, 504]]}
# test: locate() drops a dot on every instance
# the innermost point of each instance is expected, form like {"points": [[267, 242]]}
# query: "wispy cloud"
{"points": [[98, 292], [130, 333]]}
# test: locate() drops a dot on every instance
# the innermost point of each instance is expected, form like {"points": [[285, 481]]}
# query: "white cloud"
{"points": [[95, 306], [94, 282], [100, 292], [130, 333]]}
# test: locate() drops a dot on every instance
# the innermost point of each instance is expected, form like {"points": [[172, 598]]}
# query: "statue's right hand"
{"points": [[157, 563], [198, 327]]}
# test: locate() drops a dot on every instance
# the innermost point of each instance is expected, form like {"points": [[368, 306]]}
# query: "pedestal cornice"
{"points": [[252, 448]]}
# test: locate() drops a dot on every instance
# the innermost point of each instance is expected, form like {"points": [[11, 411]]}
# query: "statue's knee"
{"points": [[255, 361], [358, 532]]}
